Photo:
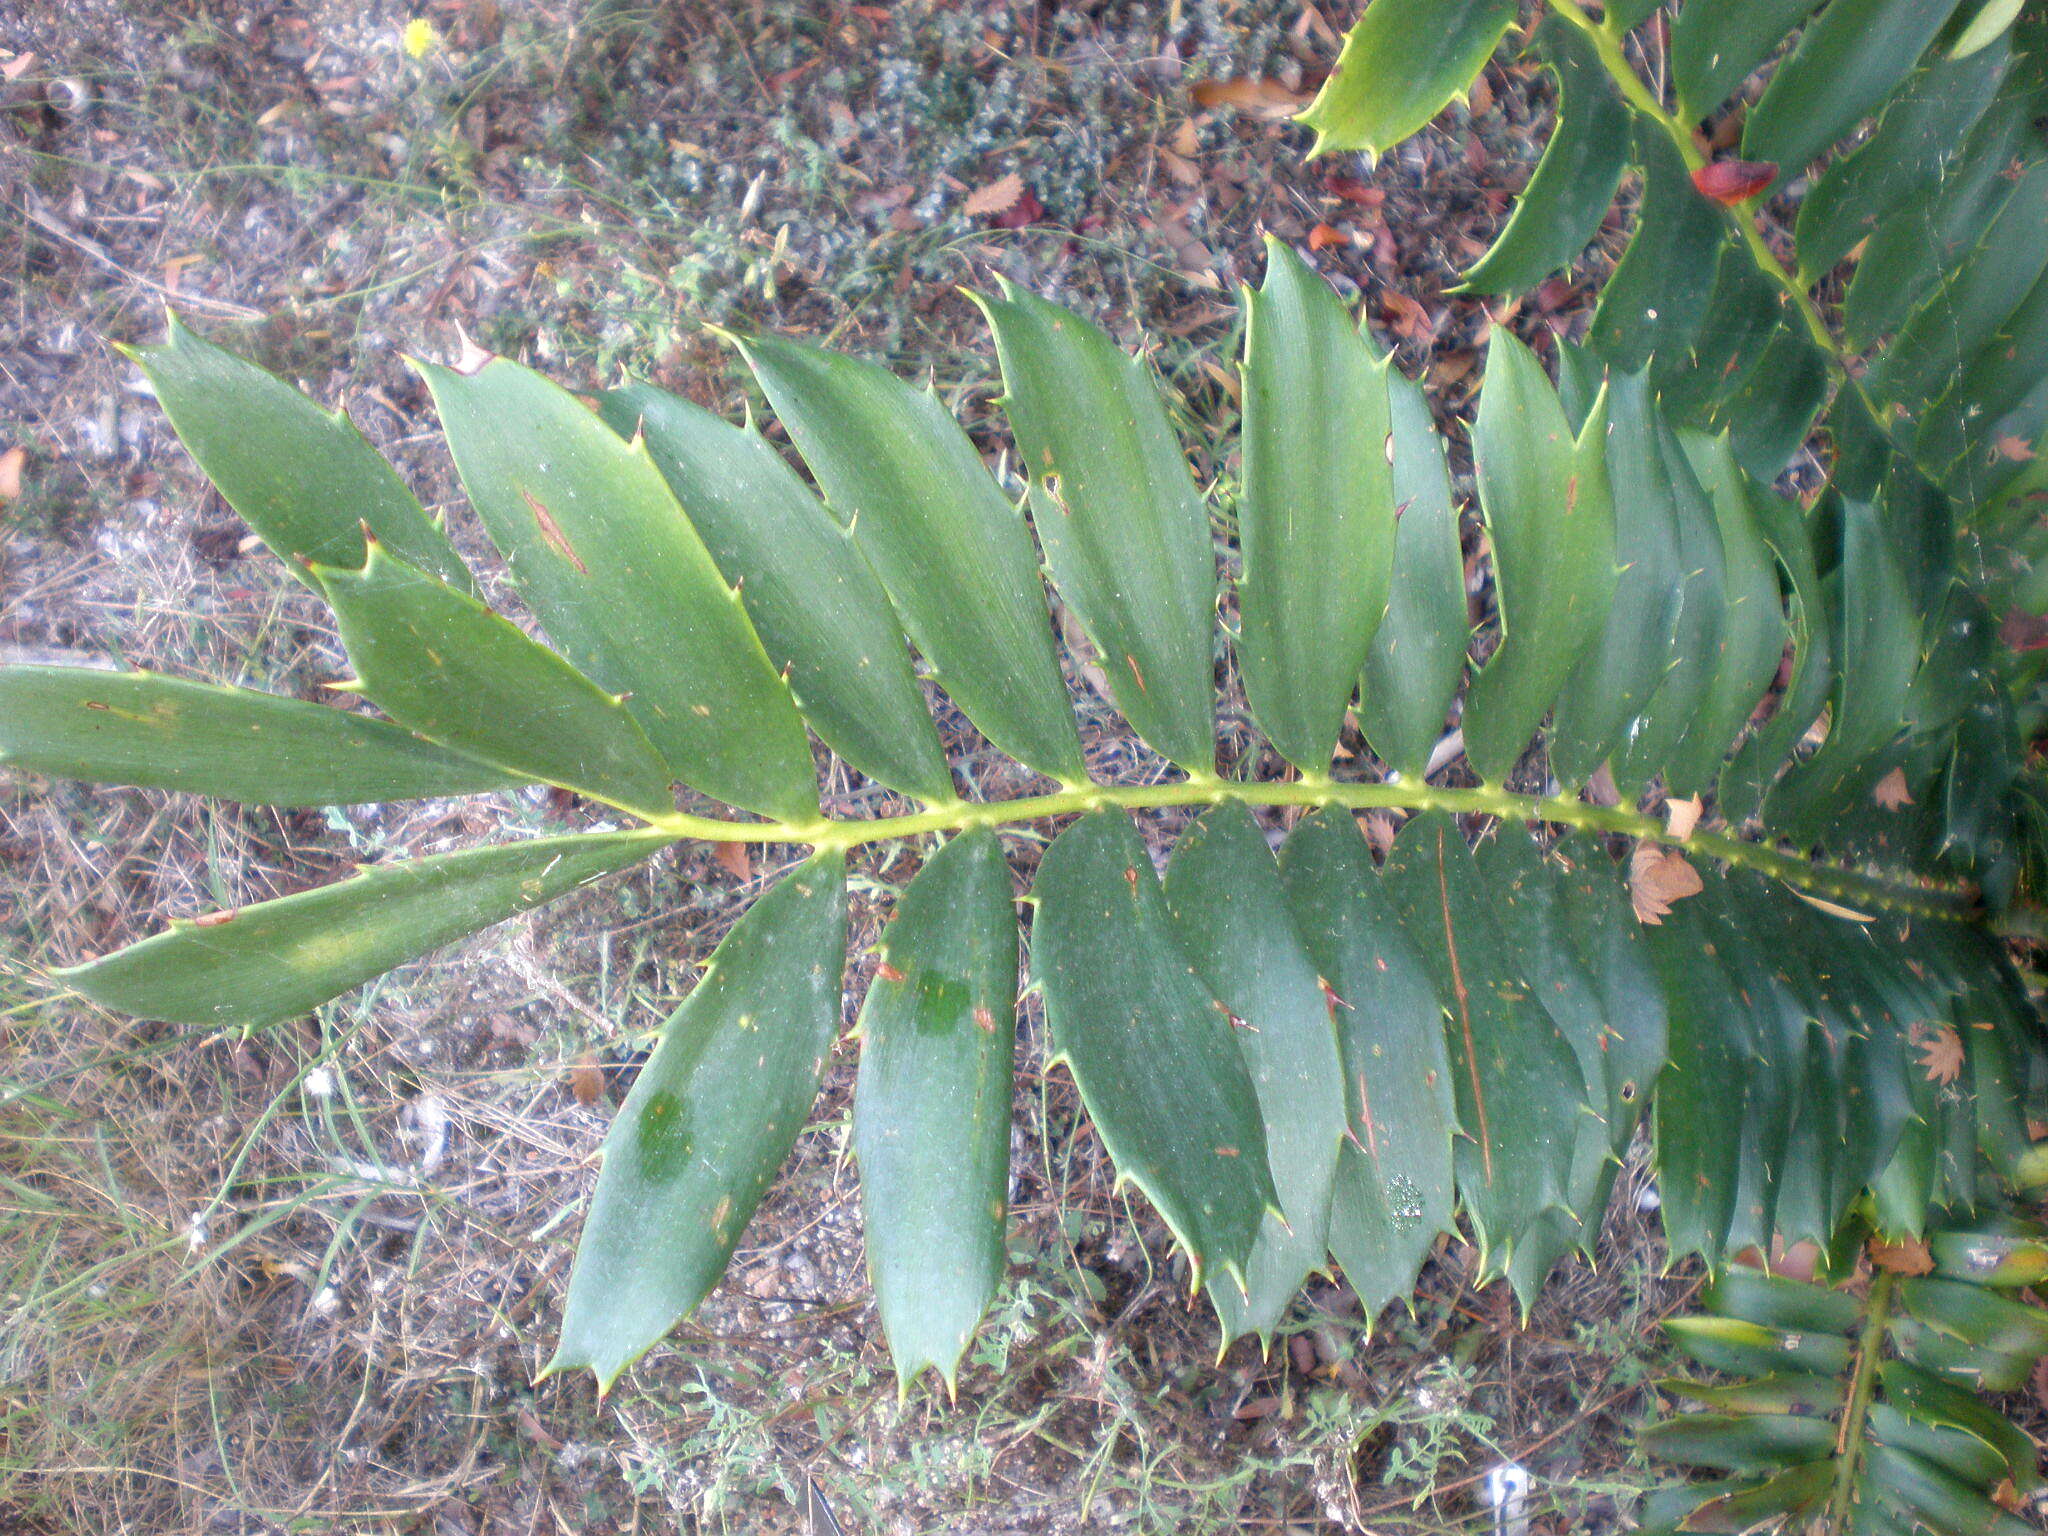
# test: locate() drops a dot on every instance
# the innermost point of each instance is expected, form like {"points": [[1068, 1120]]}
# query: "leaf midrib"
{"points": [[1892, 895]]}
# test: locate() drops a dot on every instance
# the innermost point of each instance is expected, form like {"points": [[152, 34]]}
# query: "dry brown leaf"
{"points": [[11, 465], [1378, 827], [1908, 1256], [1180, 167], [1225, 381], [1453, 367], [2006, 1495], [734, 859], [2018, 449], [1890, 791], [1682, 815], [1941, 1055], [17, 66], [999, 196], [472, 358], [586, 1081], [1267, 97], [1600, 789], [1409, 317], [506, 1030], [1325, 235], [1657, 877]]}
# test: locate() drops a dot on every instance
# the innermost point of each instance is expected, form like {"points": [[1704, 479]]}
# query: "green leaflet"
{"points": [[1316, 516], [305, 479], [446, 666], [710, 1119], [1976, 1315], [1846, 64], [1696, 637], [1929, 353], [1771, 1394], [1738, 1504], [1748, 775], [1991, 1255], [931, 1113], [1657, 294], [1841, 972], [1753, 629], [1519, 1090], [258, 748], [1777, 1302], [1989, 24], [1573, 185], [1744, 311], [1231, 914], [1953, 1451], [1739, 1443], [1749, 1349], [1698, 1135], [1580, 374], [1417, 655], [955, 556], [1149, 1048], [624, 585], [821, 614], [1124, 531], [1526, 892], [1627, 14], [1862, 453], [1999, 395], [1923, 127], [1615, 678], [1714, 47], [1596, 918], [262, 964], [1928, 1491], [1958, 1360], [1550, 522], [1769, 417], [1933, 1401], [1878, 651], [1393, 1186], [1912, 252], [1401, 65], [1789, 1112]]}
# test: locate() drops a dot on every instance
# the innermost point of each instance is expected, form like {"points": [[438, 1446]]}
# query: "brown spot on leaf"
{"points": [[551, 531]]}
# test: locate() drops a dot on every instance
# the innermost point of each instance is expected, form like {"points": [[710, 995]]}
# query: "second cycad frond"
{"points": [[1318, 1055]]}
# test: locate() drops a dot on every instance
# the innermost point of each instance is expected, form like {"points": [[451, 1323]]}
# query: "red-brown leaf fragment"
{"points": [[1908, 1256], [1729, 182]]}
